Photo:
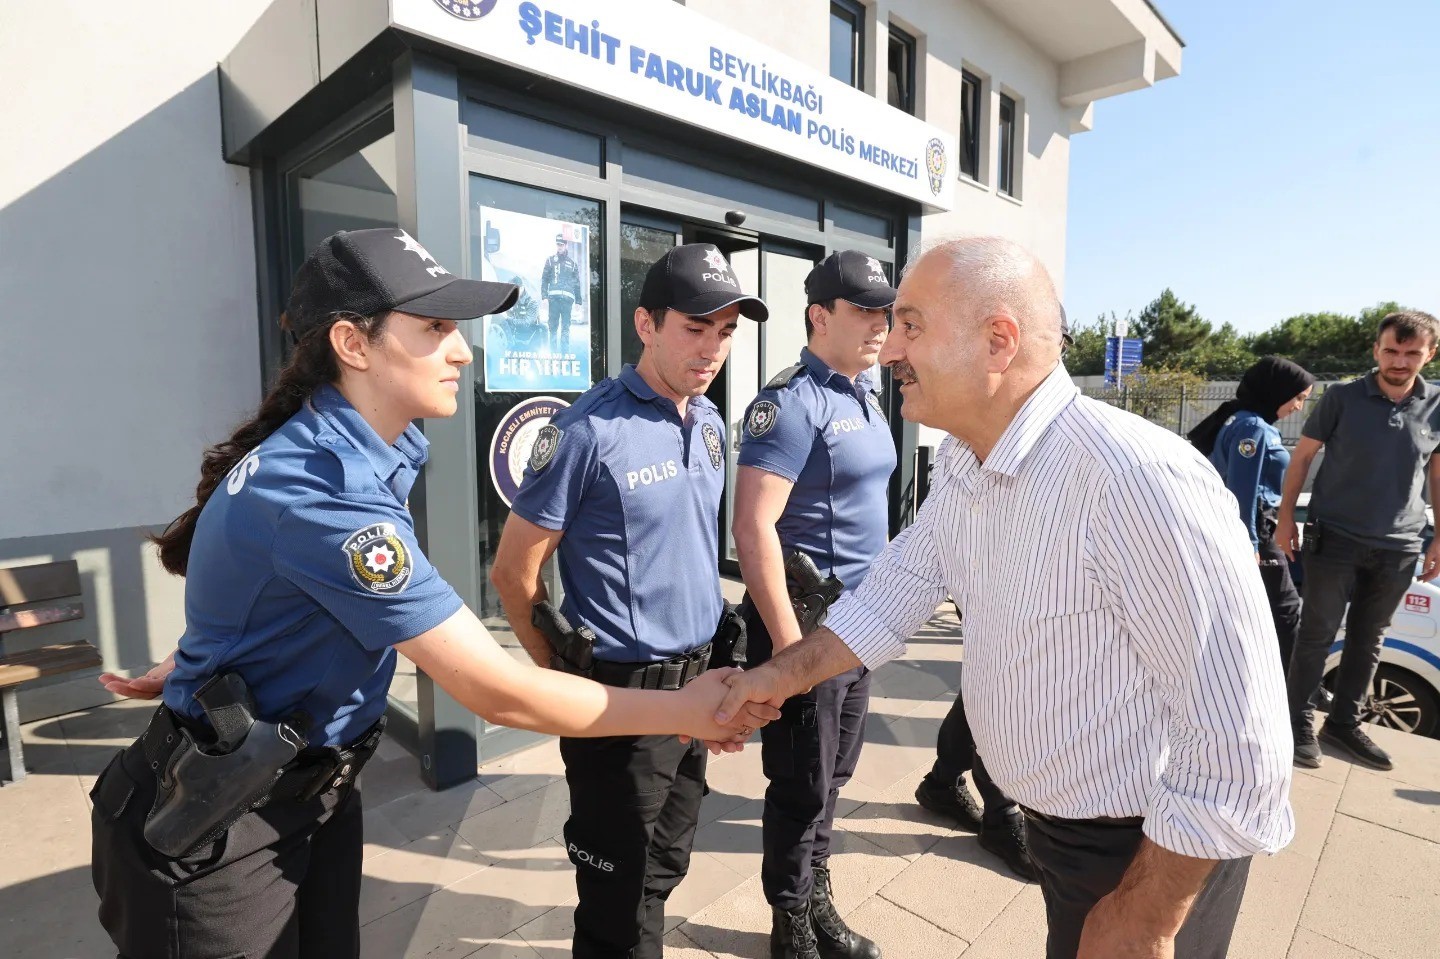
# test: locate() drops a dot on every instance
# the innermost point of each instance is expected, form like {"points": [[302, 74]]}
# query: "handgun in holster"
{"points": [[810, 593], [204, 789], [574, 649], [728, 647]]}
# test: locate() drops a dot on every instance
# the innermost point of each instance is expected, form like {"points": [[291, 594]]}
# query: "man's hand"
{"points": [[1109, 933], [1287, 536], [748, 690], [1431, 567], [704, 695], [1141, 917], [149, 686]]}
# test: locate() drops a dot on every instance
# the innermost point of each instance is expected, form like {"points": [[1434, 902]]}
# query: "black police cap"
{"points": [[695, 279], [851, 276], [374, 271]]}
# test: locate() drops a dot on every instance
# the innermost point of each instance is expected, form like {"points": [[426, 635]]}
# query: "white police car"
{"points": [[1405, 693]]}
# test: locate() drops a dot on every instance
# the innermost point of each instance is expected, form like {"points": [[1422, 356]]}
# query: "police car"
{"points": [[1405, 693]]}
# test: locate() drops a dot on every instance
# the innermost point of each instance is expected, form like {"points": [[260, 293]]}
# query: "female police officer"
{"points": [[302, 575], [1241, 440]]}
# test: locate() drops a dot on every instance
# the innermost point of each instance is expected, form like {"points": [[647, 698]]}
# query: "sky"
{"points": [[1292, 167]]}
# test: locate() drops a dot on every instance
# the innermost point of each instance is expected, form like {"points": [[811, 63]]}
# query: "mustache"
{"points": [[902, 370]]}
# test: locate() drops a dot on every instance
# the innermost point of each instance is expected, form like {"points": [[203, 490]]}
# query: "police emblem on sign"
{"points": [[935, 164], [1247, 448], [466, 9], [547, 441], [762, 418], [713, 445], [378, 560]]}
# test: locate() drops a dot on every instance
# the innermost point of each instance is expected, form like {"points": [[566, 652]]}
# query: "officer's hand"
{"points": [[149, 686], [1287, 537]]}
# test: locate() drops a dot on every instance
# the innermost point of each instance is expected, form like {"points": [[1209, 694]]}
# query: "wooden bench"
{"points": [[37, 595]]}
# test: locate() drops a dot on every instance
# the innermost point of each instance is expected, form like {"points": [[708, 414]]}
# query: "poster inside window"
{"points": [[543, 341]]}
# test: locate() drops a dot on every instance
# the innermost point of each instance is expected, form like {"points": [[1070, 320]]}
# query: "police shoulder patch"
{"points": [[1247, 447], [378, 560], [547, 441], [713, 446], [762, 418]]}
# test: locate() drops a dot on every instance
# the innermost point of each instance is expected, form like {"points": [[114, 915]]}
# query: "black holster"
{"points": [[203, 789], [728, 646], [810, 593], [574, 649]]}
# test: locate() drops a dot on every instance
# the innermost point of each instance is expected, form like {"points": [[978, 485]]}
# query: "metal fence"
{"points": [[1182, 408]]}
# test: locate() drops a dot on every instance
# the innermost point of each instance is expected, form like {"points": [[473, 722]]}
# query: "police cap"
{"points": [[851, 276], [695, 279], [373, 271]]}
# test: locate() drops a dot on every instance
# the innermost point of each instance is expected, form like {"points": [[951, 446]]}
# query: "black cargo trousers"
{"points": [[634, 807], [808, 755]]}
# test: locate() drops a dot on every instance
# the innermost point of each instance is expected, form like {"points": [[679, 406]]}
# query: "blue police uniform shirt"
{"points": [[1252, 460], [304, 572], [637, 491], [828, 436]]}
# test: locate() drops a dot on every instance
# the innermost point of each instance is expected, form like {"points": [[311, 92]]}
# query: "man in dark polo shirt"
{"points": [[1367, 513]]}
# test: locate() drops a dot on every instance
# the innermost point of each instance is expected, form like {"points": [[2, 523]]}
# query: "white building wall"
{"points": [[127, 274]]}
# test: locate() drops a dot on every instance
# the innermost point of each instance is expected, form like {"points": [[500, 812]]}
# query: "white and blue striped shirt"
{"points": [[1120, 656]]}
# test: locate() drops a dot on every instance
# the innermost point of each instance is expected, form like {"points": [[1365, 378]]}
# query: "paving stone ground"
{"points": [[479, 870]]}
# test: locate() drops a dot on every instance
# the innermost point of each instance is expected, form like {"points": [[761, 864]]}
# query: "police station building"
{"points": [[160, 205]]}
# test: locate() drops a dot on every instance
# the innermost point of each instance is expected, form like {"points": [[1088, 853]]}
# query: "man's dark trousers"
{"points": [[1082, 860], [634, 806], [955, 756], [808, 755], [1340, 570], [560, 308]]}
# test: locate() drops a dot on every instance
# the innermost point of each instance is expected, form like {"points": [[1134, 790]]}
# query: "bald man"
{"points": [[1140, 722]]}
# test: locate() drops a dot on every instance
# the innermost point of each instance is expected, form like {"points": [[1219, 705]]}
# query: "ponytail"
{"points": [[311, 366]]}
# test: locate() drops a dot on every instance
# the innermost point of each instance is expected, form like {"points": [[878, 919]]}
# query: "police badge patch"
{"points": [[547, 441], [875, 402], [713, 445], [762, 418], [1247, 447], [377, 559]]}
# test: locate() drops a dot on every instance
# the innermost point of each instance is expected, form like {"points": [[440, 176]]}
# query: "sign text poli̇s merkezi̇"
{"points": [[795, 107]]}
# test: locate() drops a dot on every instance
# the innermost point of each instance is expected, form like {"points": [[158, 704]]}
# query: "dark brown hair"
{"points": [[829, 306], [1409, 324], [312, 365]]}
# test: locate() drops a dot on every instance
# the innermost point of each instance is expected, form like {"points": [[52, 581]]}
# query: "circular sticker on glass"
{"points": [[514, 439]]}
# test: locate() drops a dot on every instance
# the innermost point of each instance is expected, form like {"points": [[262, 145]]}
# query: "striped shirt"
{"points": [[1120, 657]]}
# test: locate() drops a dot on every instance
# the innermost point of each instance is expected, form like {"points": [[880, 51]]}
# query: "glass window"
{"points": [[902, 70], [550, 344], [847, 26], [1007, 145], [640, 247], [970, 125]]}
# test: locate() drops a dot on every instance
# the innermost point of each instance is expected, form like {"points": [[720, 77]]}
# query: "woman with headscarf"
{"points": [[1241, 440]]}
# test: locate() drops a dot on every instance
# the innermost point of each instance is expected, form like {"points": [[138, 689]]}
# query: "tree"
{"points": [[1155, 392], [1168, 328], [1326, 344], [1224, 355], [1087, 356]]}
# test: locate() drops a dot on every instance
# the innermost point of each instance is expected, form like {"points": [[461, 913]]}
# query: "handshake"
{"points": [[727, 705]]}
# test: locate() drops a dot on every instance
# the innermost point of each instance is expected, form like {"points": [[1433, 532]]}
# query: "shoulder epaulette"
{"points": [[784, 376]]}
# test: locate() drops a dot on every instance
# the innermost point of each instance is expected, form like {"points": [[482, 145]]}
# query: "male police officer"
{"points": [[560, 291], [626, 484], [815, 458]]}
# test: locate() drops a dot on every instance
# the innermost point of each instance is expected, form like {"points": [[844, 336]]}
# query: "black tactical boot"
{"points": [[791, 936], [834, 939]]}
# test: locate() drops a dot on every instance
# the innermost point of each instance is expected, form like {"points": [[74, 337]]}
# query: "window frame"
{"points": [[1007, 180], [854, 12], [970, 142], [907, 41]]}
